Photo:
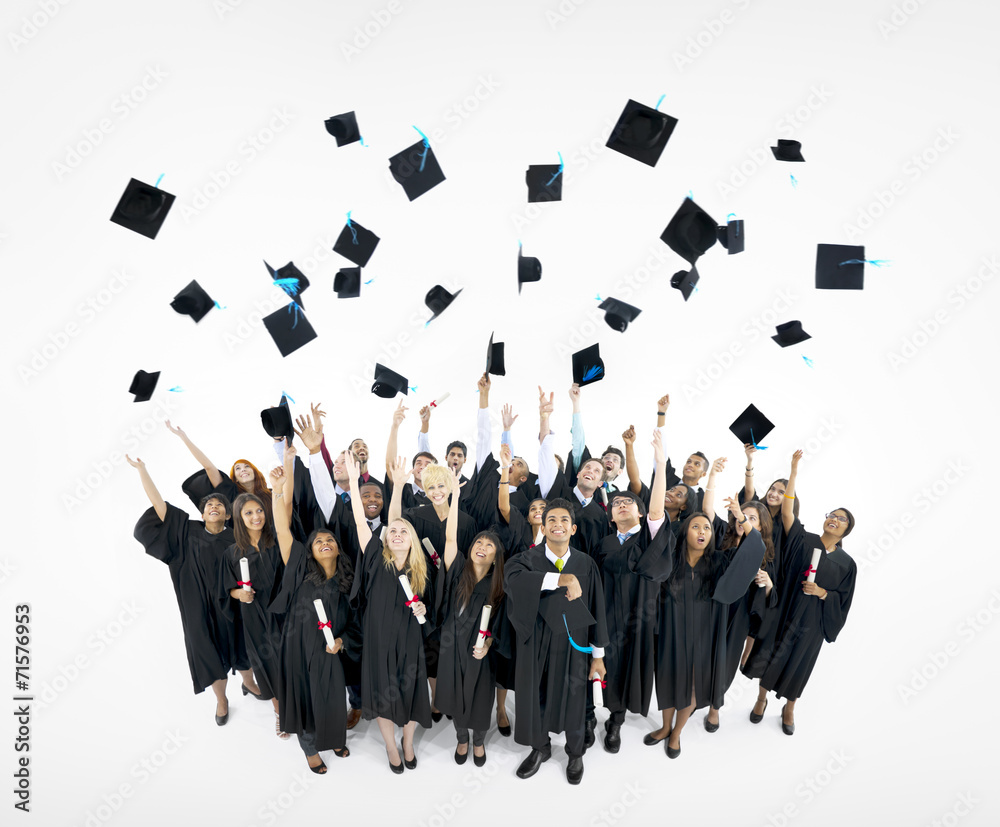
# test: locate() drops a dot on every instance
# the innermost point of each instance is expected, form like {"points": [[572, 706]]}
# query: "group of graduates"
{"points": [[435, 593]]}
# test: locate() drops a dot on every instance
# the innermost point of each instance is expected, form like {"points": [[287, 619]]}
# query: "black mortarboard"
{"points": [[618, 314], [840, 267], [347, 283], [289, 328], [415, 170], [731, 236], [690, 232], [438, 299], [494, 358], [295, 289], [641, 133], [529, 268], [344, 128], [787, 150], [790, 333], [143, 385], [544, 183], [388, 383], [685, 281], [553, 605], [751, 426], [588, 366], [142, 208], [355, 243], [277, 421], [193, 301]]}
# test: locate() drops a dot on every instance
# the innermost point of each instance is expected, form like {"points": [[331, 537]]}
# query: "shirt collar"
{"points": [[584, 501], [552, 558], [634, 530]]}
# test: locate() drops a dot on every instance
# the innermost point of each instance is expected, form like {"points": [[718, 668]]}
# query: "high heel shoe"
{"points": [[709, 726], [788, 729], [246, 691], [754, 717], [410, 764], [320, 768], [284, 736], [396, 768], [221, 719]]}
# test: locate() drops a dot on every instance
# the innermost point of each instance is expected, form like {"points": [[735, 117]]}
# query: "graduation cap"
{"points": [[193, 301], [494, 358], [355, 243], [347, 283], [690, 232], [143, 385], [790, 333], [544, 182], [277, 421], [731, 236], [416, 169], [344, 128], [588, 367], [618, 314], [685, 281], [840, 267], [289, 328], [438, 299], [751, 427], [553, 606], [291, 280], [787, 150], [529, 268], [142, 208], [388, 383], [641, 133]]}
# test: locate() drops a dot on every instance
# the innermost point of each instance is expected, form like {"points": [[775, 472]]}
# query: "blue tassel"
{"points": [[808, 361], [350, 226], [369, 281], [657, 107], [794, 182], [157, 184], [558, 172], [286, 396], [221, 307], [293, 307], [427, 145], [755, 445], [362, 139], [177, 389], [585, 649], [413, 388], [598, 298], [590, 373], [875, 262]]}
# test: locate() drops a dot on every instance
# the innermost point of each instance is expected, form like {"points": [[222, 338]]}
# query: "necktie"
{"points": [[371, 526], [559, 564], [345, 496], [622, 538]]}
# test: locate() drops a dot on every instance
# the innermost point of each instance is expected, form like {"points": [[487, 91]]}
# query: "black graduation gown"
{"points": [[552, 678], [409, 499], [261, 627], [808, 621], [632, 573], [314, 682], [592, 524], [393, 668], [464, 684], [691, 641], [431, 527], [193, 556]]}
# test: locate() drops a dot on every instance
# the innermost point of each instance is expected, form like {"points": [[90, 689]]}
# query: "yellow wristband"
{"points": [[789, 498]]}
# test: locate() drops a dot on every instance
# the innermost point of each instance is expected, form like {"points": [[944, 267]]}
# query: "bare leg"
{"points": [[713, 715], [433, 682], [758, 708], [674, 742], [788, 714], [315, 761], [502, 707], [746, 651], [664, 731], [248, 681], [221, 702], [408, 731], [388, 730]]}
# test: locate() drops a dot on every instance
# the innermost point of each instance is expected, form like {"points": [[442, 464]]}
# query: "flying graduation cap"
{"points": [[437, 300], [731, 236], [142, 208], [277, 421], [641, 133], [840, 267], [289, 328], [143, 385], [290, 279], [529, 268], [494, 358], [618, 314], [787, 150], [388, 383], [545, 182], [790, 333], [588, 367], [416, 168], [347, 283], [691, 231], [344, 128], [685, 281], [356, 243], [751, 427], [193, 301]]}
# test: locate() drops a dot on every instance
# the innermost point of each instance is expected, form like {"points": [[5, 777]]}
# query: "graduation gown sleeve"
{"points": [[741, 569], [838, 600]]}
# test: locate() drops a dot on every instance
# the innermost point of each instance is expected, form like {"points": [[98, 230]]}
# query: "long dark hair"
{"points": [[242, 534], [711, 557], [731, 539], [850, 523], [467, 582], [795, 504], [314, 571]]}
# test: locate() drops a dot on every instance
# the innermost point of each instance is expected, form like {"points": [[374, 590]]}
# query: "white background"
{"points": [[895, 109]]}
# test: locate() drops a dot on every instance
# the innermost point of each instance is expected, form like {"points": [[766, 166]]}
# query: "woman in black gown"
{"points": [[466, 672], [313, 673], [393, 670]]}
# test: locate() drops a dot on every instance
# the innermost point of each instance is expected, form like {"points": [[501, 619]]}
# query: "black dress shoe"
{"points": [[589, 738], [574, 770], [221, 719], [613, 740], [650, 741], [436, 716], [754, 717], [460, 758], [479, 760], [411, 764], [396, 768], [788, 729], [529, 766], [671, 752], [709, 726], [246, 691], [504, 730]]}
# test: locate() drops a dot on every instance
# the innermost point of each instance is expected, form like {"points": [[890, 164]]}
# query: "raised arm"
{"points": [[661, 415], [708, 502], [503, 493], [399, 475], [312, 437], [788, 501], [451, 526], [547, 468], [509, 417], [357, 508], [280, 490], [214, 474], [631, 466], [484, 428], [158, 503], [291, 452], [659, 478], [424, 441], [748, 489], [390, 449], [576, 430]]}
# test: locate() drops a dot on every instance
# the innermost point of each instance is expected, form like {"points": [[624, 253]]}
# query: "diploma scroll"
{"points": [[245, 574], [435, 557], [484, 625], [811, 571], [598, 691], [405, 583], [324, 623]]}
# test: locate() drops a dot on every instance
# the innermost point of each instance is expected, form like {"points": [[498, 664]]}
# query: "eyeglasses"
{"points": [[832, 516]]}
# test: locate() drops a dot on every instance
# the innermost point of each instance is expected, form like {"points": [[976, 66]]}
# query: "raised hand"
{"points": [[425, 414], [508, 416], [398, 472], [506, 456], [484, 383], [175, 431], [277, 477], [749, 449], [795, 459], [659, 453], [574, 396], [135, 463], [317, 417], [663, 403], [734, 508], [456, 481], [719, 465], [399, 414], [352, 465], [305, 431], [545, 406], [629, 435]]}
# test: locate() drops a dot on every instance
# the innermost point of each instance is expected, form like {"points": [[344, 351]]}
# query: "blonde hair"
{"points": [[416, 563], [435, 474]]}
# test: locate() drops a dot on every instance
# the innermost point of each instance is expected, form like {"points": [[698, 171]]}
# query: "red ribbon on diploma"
{"points": [[809, 571], [485, 633], [414, 599], [323, 625], [243, 583], [604, 684]]}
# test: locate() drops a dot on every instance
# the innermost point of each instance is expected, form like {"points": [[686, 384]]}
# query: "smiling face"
{"points": [[371, 501], [340, 471], [324, 547], [397, 537], [437, 492], [215, 512], [535, 511], [753, 521], [243, 473], [675, 499], [699, 534], [558, 527], [253, 515], [590, 476], [774, 494], [694, 469], [360, 450], [835, 524], [483, 552]]}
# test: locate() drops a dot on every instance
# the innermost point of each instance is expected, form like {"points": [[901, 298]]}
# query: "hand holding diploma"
{"points": [[324, 624], [419, 609]]}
